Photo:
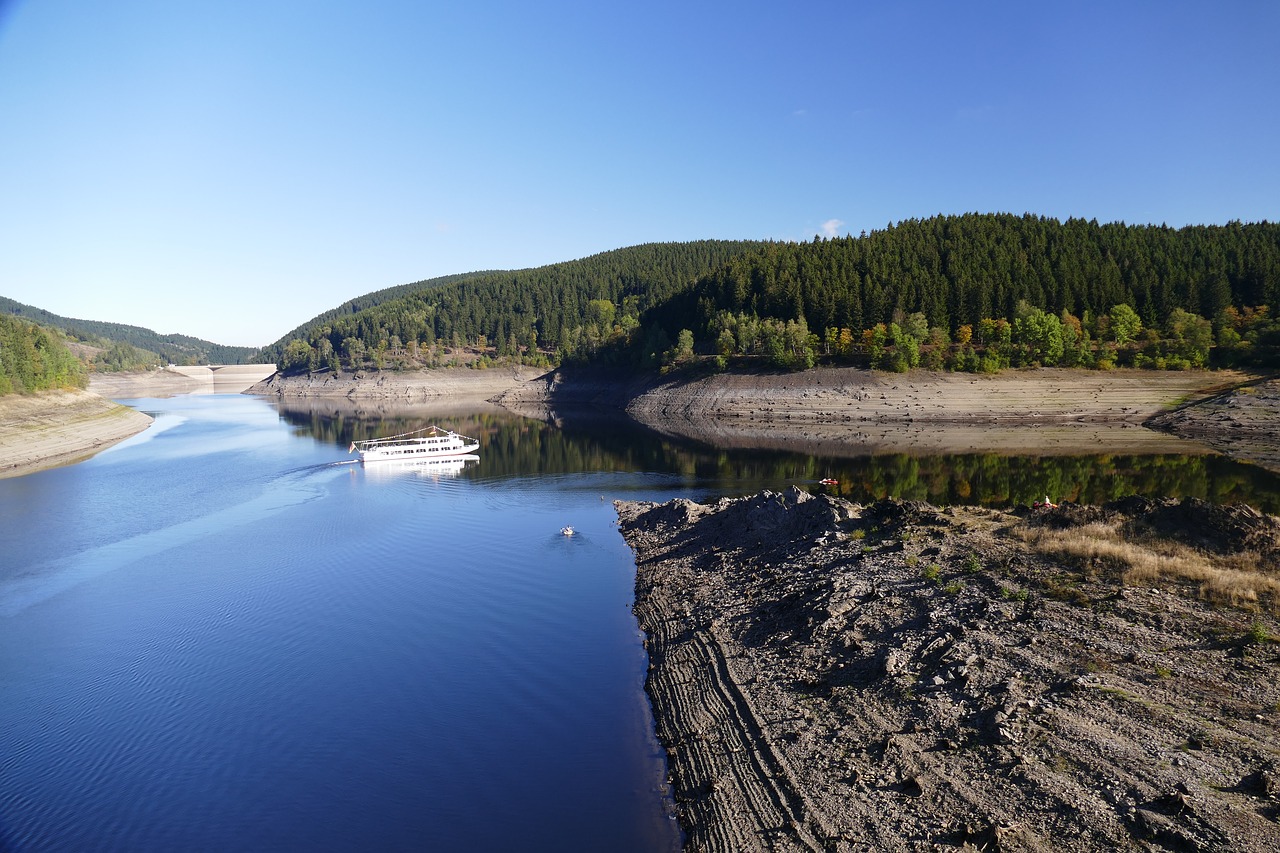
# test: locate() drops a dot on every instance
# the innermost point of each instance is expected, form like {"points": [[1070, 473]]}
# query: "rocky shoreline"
{"points": [[454, 384], [828, 411], [1242, 422], [849, 412], [829, 676], [844, 411]]}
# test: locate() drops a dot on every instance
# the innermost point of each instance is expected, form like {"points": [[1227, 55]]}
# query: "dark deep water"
{"points": [[222, 634]]}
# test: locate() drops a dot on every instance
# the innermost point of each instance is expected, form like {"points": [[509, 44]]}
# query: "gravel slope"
{"points": [[827, 676]]}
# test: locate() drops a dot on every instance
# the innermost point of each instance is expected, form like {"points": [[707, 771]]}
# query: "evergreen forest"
{"points": [[537, 316], [124, 347], [975, 292], [984, 292]]}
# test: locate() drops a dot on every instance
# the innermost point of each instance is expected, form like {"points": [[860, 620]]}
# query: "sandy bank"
{"points": [[59, 427], [828, 676]]}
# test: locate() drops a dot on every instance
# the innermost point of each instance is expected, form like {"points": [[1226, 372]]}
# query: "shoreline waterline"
{"points": [[826, 410], [55, 428]]}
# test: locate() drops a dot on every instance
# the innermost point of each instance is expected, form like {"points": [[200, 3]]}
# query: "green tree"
{"points": [[601, 312], [1039, 334], [682, 351], [299, 357], [354, 349], [917, 326], [1188, 336], [33, 358], [1125, 324]]}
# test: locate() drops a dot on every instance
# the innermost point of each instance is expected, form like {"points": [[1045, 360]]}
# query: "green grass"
{"points": [[1013, 593]]}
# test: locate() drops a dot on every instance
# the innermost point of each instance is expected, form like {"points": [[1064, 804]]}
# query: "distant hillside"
{"points": [[569, 307], [173, 349]]}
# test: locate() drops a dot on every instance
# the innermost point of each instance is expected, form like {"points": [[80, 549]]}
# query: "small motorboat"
{"points": [[829, 481], [567, 530]]}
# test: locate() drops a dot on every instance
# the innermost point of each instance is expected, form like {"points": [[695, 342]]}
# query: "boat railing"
{"points": [[432, 432]]}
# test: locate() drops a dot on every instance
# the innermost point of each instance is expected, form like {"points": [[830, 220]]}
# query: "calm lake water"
{"points": [[223, 635]]}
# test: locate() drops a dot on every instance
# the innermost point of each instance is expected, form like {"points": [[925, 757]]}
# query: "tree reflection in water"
{"points": [[515, 446]]}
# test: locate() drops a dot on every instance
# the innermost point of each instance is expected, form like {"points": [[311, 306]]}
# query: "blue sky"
{"points": [[229, 170]]}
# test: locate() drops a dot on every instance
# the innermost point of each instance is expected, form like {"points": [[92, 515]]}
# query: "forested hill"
{"points": [[561, 308], [970, 292], [1024, 288], [371, 300], [173, 349], [33, 358]]}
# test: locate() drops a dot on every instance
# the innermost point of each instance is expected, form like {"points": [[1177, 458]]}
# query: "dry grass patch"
{"points": [[1235, 579]]}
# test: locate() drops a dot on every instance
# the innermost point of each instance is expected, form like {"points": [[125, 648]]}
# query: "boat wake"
{"points": [[44, 581]]}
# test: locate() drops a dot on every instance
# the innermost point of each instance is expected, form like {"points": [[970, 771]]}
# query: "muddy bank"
{"points": [[1243, 422], [55, 428], [454, 383], [829, 676]]}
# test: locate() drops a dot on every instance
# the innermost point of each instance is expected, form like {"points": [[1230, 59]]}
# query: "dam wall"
{"points": [[223, 378]]}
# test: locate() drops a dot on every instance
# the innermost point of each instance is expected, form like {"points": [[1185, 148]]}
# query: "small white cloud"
{"points": [[832, 227], [801, 113]]}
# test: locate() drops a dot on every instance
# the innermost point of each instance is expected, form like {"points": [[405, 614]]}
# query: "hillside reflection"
{"points": [[514, 446]]}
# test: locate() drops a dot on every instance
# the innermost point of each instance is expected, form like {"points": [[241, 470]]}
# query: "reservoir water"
{"points": [[224, 635]]}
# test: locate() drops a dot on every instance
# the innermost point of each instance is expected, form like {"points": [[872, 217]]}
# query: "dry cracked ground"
{"points": [[829, 676]]}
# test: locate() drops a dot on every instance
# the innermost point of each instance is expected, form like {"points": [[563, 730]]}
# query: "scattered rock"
{"points": [[837, 697]]}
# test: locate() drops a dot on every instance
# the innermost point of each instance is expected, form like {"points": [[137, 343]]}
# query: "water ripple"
{"points": [[45, 581]]}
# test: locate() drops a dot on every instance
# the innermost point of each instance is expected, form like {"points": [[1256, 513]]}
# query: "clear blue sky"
{"points": [[230, 169]]}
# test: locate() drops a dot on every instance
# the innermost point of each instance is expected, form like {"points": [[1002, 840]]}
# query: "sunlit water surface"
{"points": [[224, 635]]}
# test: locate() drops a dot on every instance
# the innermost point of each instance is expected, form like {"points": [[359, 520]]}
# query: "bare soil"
{"points": [[829, 676], [416, 385], [147, 383], [1243, 421], [847, 411], [55, 428]]}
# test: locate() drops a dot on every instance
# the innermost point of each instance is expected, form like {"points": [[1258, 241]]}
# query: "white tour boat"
{"points": [[428, 443]]}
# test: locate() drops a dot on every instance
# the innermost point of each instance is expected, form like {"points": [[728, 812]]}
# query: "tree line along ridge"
{"points": [[969, 292]]}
